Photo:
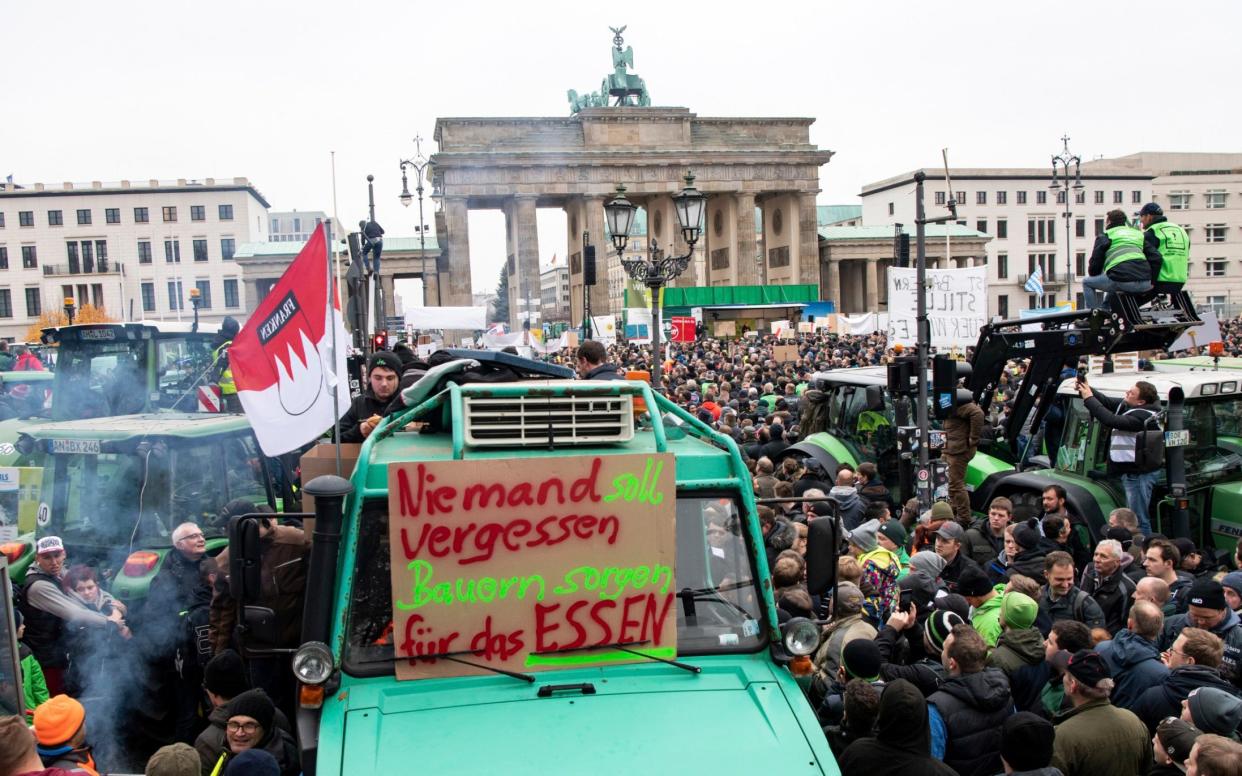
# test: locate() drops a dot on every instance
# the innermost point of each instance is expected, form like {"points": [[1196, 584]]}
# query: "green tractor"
{"points": [[115, 488]]}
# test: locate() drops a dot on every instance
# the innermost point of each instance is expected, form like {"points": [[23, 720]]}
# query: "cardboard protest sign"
{"points": [[783, 354], [725, 329], [957, 305], [500, 563]]}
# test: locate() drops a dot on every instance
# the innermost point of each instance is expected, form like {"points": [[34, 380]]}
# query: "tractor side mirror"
{"points": [[244, 558]]}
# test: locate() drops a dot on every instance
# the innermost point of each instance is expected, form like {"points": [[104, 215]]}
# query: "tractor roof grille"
{"points": [[533, 420]]}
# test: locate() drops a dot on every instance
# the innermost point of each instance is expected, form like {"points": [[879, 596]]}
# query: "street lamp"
{"points": [[657, 270], [419, 163], [69, 308], [1062, 163], [196, 299]]}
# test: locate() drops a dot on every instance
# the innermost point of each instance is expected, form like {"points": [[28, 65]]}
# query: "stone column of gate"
{"points": [[808, 240], [830, 283], [457, 292], [574, 220], [601, 303], [431, 286], [524, 231], [389, 286], [873, 285], [745, 269]]}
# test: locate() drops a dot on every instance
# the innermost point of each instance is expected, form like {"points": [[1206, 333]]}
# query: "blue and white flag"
{"points": [[1035, 283]]}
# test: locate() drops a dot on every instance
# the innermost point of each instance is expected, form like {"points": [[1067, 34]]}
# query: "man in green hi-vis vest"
{"points": [[1172, 243], [1120, 262]]}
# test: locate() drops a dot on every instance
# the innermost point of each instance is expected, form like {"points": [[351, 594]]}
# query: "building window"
{"points": [[981, 225], [1002, 198], [1214, 200], [34, 306], [30, 257], [55, 218], [1117, 197], [75, 265], [144, 251], [1, 220], [101, 254], [275, 225], [1080, 196], [1099, 227], [1032, 302], [940, 199], [1002, 305], [112, 215], [230, 293], [25, 218], [226, 212], [1136, 197], [890, 208], [6, 303], [97, 298], [1215, 268], [1099, 197], [228, 246], [1080, 227], [1002, 228], [4, 257], [981, 198], [198, 213], [1041, 197], [1080, 264], [170, 214], [1180, 200], [200, 250], [175, 302], [961, 198], [172, 251], [1216, 304], [1021, 197], [297, 225], [204, 293], [148, 297], [141, 215], [1041, 230], [84, 217], [1060, 196], [88, 257], [1002, 266], [1214, 233]]}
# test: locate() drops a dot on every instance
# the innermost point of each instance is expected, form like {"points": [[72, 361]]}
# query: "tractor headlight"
{"points": [[313, 663], [801, 636]]}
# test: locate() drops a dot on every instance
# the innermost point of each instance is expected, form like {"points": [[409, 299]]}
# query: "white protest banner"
{"points": [[957, 306], [1198, 336], [446, 317], [605, 329]]}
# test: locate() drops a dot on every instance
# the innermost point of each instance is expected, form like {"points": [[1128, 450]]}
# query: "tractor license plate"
{"points": [[1177, 438], [76, 446]]}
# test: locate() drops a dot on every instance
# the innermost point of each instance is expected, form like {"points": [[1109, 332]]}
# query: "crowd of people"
{"points": [[101, 682]]}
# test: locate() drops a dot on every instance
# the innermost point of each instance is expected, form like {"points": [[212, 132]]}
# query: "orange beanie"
{"points": [[58, 720]]}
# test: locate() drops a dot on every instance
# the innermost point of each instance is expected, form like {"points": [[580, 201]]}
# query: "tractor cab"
{"points": [[110, 369]]}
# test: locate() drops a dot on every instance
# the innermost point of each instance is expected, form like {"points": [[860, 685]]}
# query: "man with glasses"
{"points": [[179, 588], [1193, 661], [1207, 610]]}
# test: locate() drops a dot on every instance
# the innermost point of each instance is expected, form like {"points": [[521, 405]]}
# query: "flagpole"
{"points": [[335, 386]]}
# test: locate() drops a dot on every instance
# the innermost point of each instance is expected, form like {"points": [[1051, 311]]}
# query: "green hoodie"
{"points": [[34, 686], [986, 618]]}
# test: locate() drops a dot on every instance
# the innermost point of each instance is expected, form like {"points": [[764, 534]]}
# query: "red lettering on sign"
{"points": [[476, 543], [543, 628]]}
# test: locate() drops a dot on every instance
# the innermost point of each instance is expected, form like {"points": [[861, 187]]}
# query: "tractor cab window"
{"points": [[1076, 440], [180, 364], [1214, 443], [100, 379]]}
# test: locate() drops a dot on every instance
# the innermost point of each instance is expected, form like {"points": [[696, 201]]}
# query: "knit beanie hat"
{"points": [[972, 581], [1215, 711], [58, 719], [953, 602], [1027, 534], [254, 704], [1018, 611], [1233, 581], [941, 511], [927, 562], [386, 359], [177, 759], [1207, 593], [225, 676], [252, 762], [861, 659], [1177, 738], [1026, 741], [938, 625], [863, 537]]}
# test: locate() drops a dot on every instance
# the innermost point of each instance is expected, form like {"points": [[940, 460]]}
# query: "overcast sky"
{"points": [[171, 89]]}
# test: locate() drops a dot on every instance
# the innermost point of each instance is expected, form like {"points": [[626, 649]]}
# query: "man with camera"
{"points": [[1136, 450]]}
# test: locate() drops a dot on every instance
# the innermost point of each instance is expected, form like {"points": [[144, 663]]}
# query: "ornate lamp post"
{"points": [[657, 270], [419, 164], [196, 299], [69, 309], [1061, 164]]}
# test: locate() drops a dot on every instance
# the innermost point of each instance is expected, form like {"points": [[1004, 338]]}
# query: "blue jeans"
{"points": [[1093, 289], [1138, 496]]}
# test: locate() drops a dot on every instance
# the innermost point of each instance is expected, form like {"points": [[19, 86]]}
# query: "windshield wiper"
{"points": [[624, 647], [453, 656], [710, 595]]}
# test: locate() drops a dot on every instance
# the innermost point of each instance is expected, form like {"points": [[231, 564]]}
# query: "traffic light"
{"points": [[588, 265], [901, 376], [380, 340], [903, 250], [945, 395], [354, 240]]}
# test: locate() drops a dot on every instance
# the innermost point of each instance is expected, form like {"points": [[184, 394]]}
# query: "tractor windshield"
{"points": [[100, 378]]}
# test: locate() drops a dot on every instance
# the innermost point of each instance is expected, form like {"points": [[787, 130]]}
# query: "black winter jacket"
{"points": [[1165, 699], [973, 707]]}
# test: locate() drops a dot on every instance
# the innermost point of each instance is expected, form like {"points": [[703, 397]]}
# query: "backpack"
{"points": [[1149, 443]]}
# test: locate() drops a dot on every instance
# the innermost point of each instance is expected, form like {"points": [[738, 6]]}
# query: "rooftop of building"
{"points": [[67, 188], [827, 215], [1175, 162], [1096, 172]]}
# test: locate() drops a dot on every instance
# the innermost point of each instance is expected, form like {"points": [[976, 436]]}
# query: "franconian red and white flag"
{"points": [[283, 361]]}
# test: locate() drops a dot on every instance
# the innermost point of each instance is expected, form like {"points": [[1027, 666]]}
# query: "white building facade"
{"points": [[554, 292], [135, 249], [1025, 218]]}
